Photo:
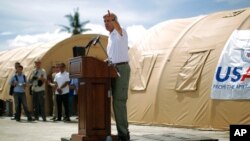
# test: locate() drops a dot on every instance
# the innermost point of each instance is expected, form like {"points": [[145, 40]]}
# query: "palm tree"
{"points": [[76, 27]]}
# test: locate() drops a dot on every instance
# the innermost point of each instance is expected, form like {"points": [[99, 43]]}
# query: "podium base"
{"points": [[76, 137]]}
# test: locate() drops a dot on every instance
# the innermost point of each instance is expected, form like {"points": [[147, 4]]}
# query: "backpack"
{"points": [[12, 87]]}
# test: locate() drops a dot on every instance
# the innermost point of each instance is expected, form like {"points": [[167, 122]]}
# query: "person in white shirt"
{"points": [[117, 50], [62, 91]]}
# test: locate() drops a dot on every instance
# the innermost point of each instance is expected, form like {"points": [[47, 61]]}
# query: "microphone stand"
{"points": [[89, 45], [99, 42], [108, 61]]}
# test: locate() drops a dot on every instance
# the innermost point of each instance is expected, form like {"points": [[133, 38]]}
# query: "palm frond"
{"points": [[65, 28], [84, 23], [75, 25], [85, 29]]}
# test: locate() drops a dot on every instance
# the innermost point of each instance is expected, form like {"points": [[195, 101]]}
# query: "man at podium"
{"points": [[117, 51]]}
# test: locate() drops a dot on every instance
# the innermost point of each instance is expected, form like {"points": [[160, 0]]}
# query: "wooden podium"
{"points": [[93, 98]]}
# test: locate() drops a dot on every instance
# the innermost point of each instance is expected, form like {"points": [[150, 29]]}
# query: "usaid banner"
{"points": [[232, 75]]}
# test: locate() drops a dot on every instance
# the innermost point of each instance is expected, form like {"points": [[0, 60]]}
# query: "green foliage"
{"points": [[75, 25]]}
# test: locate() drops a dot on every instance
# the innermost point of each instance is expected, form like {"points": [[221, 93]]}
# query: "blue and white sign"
{"points": [[232, 75]]}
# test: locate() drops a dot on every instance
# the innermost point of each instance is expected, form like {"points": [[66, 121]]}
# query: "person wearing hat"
{"points": [[37, 80]]}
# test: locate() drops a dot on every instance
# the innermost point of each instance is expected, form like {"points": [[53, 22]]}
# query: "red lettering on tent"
{"points": [[246, 75]]}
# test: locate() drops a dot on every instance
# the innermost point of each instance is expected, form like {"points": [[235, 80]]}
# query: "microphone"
{"points": [[96, 40], [93, 41], [90, 43]]}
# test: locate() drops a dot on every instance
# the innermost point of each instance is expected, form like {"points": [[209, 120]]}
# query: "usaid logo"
{"points": [[245, 55], [232, 74]]}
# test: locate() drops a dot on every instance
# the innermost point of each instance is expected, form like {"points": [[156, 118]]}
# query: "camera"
{"points": [[34, 78], [39, 83]]}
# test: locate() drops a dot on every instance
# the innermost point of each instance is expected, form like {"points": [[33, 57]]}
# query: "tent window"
{"points": [[233, 14], [142, 72], [190, 72], [2, 81]]}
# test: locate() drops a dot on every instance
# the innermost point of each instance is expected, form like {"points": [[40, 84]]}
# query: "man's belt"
{"points": [[121, 63]]}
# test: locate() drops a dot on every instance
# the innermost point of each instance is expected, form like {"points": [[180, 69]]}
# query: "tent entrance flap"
{"points": [[143, 72], [190, 72], [2, 82]]}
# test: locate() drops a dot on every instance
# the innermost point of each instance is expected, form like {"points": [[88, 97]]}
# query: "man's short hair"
{"points": [[62, 65], [37, 61], [17, 64], [20, 66], [111, 14]]}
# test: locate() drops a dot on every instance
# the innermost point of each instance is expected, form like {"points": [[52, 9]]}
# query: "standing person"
{"points": [[11, 92], [51, 83], [38, 79], [117, 50], [18, 81], [62, 91], [51, 77], [73, 91]]}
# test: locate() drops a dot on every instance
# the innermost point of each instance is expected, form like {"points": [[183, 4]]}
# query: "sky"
{"points": [[26, 22]]}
